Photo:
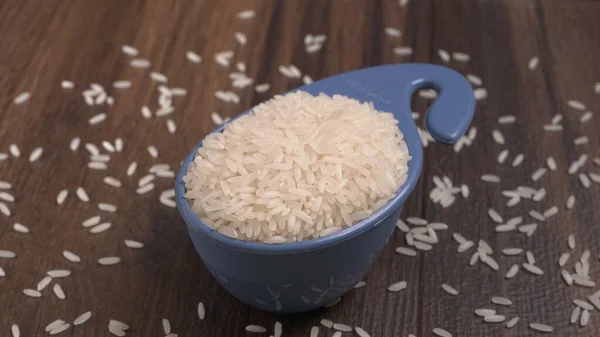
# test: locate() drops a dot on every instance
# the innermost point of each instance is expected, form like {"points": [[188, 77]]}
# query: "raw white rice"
{"points": [[533, 269], [114, 182], [32, 292], [512, 271], [562, 261], [96, 119], [538, 174], [74, 145], [480, 93], [58, 291], [342, 327], [326, 323], [584, 180], [461, 57], [581, 140], [92, 149], [550, 212], [403, 51], [246, 14], [490, 178], [121, 84], [193, 57], [118, 324], [146, 112], [94, 165], [406, 251], [4, 209], [131, 169], [533, 63], [256, 328], [314, 331], [512, 251], [494, 318], [292, 211], [541, 327], [586, 117], [158, 77], [216, 118], [583, 304], [129, 50], [577, 105], [390, 31], [20, 228], [551, 163], [441, 332], [449, 289], [22, 98], [360, 284], [240, 38], [53, 325], [557, 119], [201, 311], [108, 146], [145, 189], [93, 221], [501, 301], [261, 88], [498, 137], [14, 329], [398, 286], [306, 79], [166, 326], [153, 151], [7, 254], [512, 322], [69, 255], [82, 194], [109, 261], [133, 244], [416, 221], [14, 150], [58, 273], [140, 63], [7, 197], [361, 332], [444, 55], [495, 216], [100, 228], [67, 85], [82, 318], [60, 329], [107, 207], [507, 119], [575, 315], [43, 283], [475, 80], [35, 154], [553, 127], [502, 156], [518, 160], [171, 127]]}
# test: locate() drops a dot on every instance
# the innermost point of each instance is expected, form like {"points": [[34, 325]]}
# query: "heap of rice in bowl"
{"points": [[297, 167]]}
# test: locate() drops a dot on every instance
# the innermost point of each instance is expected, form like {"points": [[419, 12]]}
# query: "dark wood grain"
{"points": [[46, 42]]}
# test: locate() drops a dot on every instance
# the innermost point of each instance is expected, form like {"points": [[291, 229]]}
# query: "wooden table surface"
{"points": [[44, 43]]}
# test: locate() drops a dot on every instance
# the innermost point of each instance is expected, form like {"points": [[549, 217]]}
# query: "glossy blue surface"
{"points": [[301, 276]]}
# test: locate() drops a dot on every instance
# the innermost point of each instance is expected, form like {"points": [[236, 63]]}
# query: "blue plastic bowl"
{"points": [[302, 276]]}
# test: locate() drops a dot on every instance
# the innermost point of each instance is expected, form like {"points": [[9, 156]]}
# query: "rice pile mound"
{"points": [[297, 167]]}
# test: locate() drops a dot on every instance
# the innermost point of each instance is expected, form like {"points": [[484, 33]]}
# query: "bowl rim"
{"points": [[409, 130]]}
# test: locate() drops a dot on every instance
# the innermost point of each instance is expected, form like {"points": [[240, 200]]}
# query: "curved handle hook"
{"points": [[451, 113]]}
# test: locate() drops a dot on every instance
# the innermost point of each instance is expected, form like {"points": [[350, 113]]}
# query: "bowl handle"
{"points": [[451, 112]]}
